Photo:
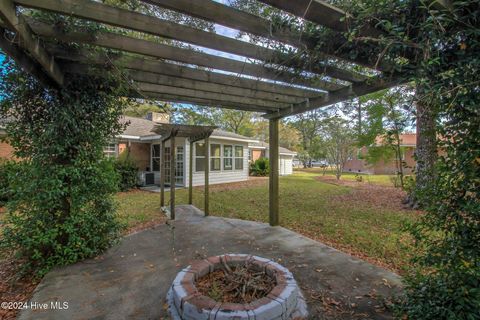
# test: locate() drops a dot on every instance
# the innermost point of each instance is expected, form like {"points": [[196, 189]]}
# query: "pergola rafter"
{"points": [[99, 12], [158, 50], [224, 15], [322, 13], [160, 79], [185, 72], [28, 41], [275, 84]]}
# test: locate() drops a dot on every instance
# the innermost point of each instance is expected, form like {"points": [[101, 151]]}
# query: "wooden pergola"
{"points": [[194, 134], [273, 84]]}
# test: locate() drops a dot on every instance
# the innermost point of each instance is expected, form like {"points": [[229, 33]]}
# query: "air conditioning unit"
{"points": [[149, 178], [146, 178]]}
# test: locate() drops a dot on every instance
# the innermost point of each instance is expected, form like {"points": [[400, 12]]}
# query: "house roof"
{"points": [[143, 128], [138, 127], [192, 132], [264, 145]]}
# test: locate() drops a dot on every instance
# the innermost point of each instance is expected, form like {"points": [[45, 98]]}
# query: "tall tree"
{"points": [[388, 114], [139, 109], [308, 125], [338, 140]]}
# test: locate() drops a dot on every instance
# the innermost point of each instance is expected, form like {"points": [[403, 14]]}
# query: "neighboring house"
{"points": [[260, 149], [408, 144], [229, 153]]}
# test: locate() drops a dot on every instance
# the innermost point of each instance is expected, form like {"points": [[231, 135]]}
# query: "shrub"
{"points": [[49, 229], [358, 177], [6, 168], [260, 167], [127, 171], [61, 209]]}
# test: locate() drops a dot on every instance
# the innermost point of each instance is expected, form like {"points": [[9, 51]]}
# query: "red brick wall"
{"points": [[257, 154], [6, 151], [382, 167], [140, 153]]}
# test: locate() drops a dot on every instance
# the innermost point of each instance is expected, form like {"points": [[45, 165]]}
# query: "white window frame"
{"points": [[212, 157], [231, 157], [108, 152], [199, 157], [235, 158]]}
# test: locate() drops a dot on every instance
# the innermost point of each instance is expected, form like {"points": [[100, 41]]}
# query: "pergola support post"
{"points": [[162, 174], [190, 175], [207, 173], [173, 165], [273, 190]]}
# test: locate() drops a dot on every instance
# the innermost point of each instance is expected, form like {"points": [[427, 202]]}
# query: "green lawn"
{"points": [[379, 179], [316, 209]]}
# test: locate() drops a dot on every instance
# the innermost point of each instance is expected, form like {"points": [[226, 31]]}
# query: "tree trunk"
{"points": [[426, 153]]}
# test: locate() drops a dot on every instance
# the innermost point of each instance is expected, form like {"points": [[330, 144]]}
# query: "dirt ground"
{"points": [[369, 194]]}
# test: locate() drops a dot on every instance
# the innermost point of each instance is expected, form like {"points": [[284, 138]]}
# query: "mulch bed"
{"points": [[241, 284], [13, 289], [367, 194]]}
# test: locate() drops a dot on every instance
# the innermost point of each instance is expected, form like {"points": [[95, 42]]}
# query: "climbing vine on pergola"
{"points": [[276, 84]]}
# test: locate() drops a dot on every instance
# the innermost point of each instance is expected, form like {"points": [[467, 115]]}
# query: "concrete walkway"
{"points": [[130, 281]]}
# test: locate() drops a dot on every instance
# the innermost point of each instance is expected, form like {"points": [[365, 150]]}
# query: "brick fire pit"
{"points": [[284, 302]]}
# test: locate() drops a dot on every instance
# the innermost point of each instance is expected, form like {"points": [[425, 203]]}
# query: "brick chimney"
{"points": [[158, 117]]}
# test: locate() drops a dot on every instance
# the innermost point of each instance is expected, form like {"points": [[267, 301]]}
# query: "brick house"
{"points": [[408, 143], [229, 153]]}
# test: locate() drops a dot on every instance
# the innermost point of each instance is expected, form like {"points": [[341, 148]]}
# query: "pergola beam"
{"points": [[243, 21], [228, 16], [321, 13], [158, 50], [358, 90], [165, 68], [29, 42], [247, 94], [160, 79], [114, 16], [24, 61], [149, 87], [198, 101]]}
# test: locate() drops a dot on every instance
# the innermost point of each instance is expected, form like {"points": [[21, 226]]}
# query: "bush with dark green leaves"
{"points": [[61, 209], [260, 167], [6, 170], [127, 171]]}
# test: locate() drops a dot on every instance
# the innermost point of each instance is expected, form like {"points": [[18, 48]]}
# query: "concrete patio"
{"points": [[131, 280]]}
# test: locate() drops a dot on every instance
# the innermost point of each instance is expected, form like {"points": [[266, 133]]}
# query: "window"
{"points": [[179, 168], [238, 158], [215, 157], [227, 157], [359, 154], [110, 150], [156, 157], [200, 151]]}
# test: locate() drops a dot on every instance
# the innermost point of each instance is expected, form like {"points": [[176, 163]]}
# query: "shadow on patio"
{"points": [[131, 280]]}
